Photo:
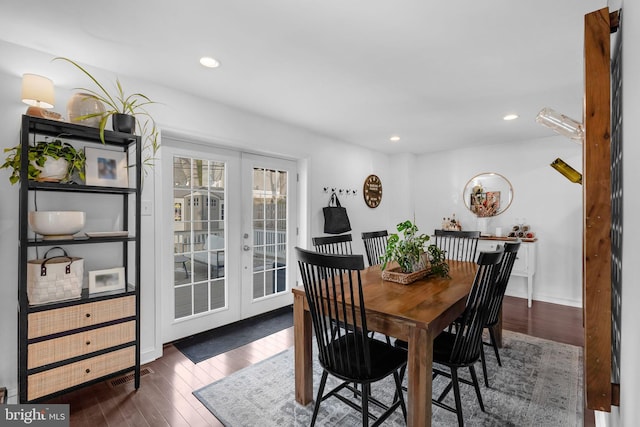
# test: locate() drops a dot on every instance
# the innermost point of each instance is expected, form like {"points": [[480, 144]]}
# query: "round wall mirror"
{"points": [[488, 194]]}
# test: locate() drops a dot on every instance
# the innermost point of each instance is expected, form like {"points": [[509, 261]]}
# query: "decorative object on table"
{"points": [[84, 109], [120, 103], [112, 279], [56, 225], [54, 278], [451, 224], [488, 194], [50, 161], [414, 262], [106, 168], [336, 220], [522, 231], [372, 191], [38, 93]]}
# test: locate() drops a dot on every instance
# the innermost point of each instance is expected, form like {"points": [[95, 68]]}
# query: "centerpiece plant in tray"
{"points": [[414, 261]]}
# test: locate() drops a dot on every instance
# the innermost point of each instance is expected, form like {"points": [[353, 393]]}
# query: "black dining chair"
{"points": [[336, 245], [506, 266], [333, 290], [375, 245], [458, 245], [462, 348]]}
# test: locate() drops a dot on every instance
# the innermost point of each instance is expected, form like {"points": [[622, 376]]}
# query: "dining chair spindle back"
{"points": [[375, 245], [333, 289], [463, 347], [336, 245], [506, 266], [458, 245]]}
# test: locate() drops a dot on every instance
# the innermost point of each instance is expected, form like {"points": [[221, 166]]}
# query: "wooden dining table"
{"points": [[415, 313]]}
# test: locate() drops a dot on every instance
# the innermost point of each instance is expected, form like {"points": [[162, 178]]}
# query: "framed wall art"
{"points": [[106, 168], [112, 279]]}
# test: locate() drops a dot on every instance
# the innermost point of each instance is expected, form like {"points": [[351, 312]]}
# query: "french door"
{"points": [[228, 237], [269, 233]]}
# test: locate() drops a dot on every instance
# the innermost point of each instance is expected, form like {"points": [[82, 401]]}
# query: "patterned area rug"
{"points": [[539, 384]]}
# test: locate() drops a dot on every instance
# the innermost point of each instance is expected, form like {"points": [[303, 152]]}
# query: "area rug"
{"points": [[220, 340], [539, 384]]}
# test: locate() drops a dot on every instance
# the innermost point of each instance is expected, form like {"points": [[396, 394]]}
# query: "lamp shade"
{"points": [[37, 91], [561, 124]]}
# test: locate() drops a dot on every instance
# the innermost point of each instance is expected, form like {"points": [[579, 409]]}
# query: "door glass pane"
{"points": [[198, 235], [269, 231]]}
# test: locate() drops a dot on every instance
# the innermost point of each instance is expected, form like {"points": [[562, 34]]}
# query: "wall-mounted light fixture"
{"points": [[37, 93], [570, 173], [562, 124]]}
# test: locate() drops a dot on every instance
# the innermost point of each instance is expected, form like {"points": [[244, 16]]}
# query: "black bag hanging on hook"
{"points": [[336, 220]]}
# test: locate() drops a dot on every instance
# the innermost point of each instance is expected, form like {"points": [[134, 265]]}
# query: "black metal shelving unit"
{"points": [[33, 127]]}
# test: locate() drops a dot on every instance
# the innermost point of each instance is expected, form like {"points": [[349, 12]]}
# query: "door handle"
{"points": [[246, 248]]}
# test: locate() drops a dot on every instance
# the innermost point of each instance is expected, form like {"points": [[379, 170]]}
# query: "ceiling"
{"points": [[441, 75]]}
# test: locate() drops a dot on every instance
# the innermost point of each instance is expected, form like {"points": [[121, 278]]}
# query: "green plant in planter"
{"points": [[437, 260], [407, 252], [39, 153], [120, 103]]}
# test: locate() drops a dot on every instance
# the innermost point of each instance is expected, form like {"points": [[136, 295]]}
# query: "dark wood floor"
{"points": [[165, 397]]}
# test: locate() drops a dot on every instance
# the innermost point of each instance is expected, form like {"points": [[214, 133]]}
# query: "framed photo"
{"points": [[106, 168], [106, 280]]}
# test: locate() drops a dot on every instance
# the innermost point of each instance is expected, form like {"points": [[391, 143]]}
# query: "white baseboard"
{"points": [[148, 355], [546, 298]]}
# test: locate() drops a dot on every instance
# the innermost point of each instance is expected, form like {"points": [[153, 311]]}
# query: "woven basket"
{"points": [[396, 275]]}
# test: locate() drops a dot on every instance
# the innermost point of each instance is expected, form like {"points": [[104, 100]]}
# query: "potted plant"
{"points": [[126, 112], [48, 161], [410, 255]]}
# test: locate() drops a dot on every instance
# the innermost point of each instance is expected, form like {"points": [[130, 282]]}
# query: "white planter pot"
{"points": [[54, 170]]}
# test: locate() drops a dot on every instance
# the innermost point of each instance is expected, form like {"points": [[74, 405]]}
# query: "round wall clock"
{"points": [[372, 191]]}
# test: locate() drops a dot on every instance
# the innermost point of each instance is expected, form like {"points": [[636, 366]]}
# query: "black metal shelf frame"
{"points": [[32, 127]]}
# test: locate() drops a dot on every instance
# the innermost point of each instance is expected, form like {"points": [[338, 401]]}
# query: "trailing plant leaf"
{"points": [[38, 154], [439, 266]]}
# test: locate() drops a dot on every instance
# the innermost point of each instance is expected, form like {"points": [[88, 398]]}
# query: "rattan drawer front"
{"points": [[47, 382], [48, 322], [58, 349]]}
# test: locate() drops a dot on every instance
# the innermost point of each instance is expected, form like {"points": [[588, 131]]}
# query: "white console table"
{"points": [[525, 264]]}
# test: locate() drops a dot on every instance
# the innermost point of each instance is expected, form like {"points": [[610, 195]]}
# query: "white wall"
{"points": [[551, 204]]}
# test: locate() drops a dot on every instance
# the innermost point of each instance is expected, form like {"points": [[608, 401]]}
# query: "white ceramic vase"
{"points": [[83, 104]]}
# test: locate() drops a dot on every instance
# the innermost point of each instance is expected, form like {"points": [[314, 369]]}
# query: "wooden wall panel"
{"points": [[597, 211]]}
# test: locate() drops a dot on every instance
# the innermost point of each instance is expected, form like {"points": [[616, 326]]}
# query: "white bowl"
{"points": [[56, 224]]}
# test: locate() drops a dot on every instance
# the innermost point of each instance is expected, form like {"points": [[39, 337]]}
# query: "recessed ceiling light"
{"points": [[510, 117], [394, 138], [209, 62]]}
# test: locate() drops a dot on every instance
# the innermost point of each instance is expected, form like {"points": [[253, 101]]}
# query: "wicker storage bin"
{"points": [[395, 275]]}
